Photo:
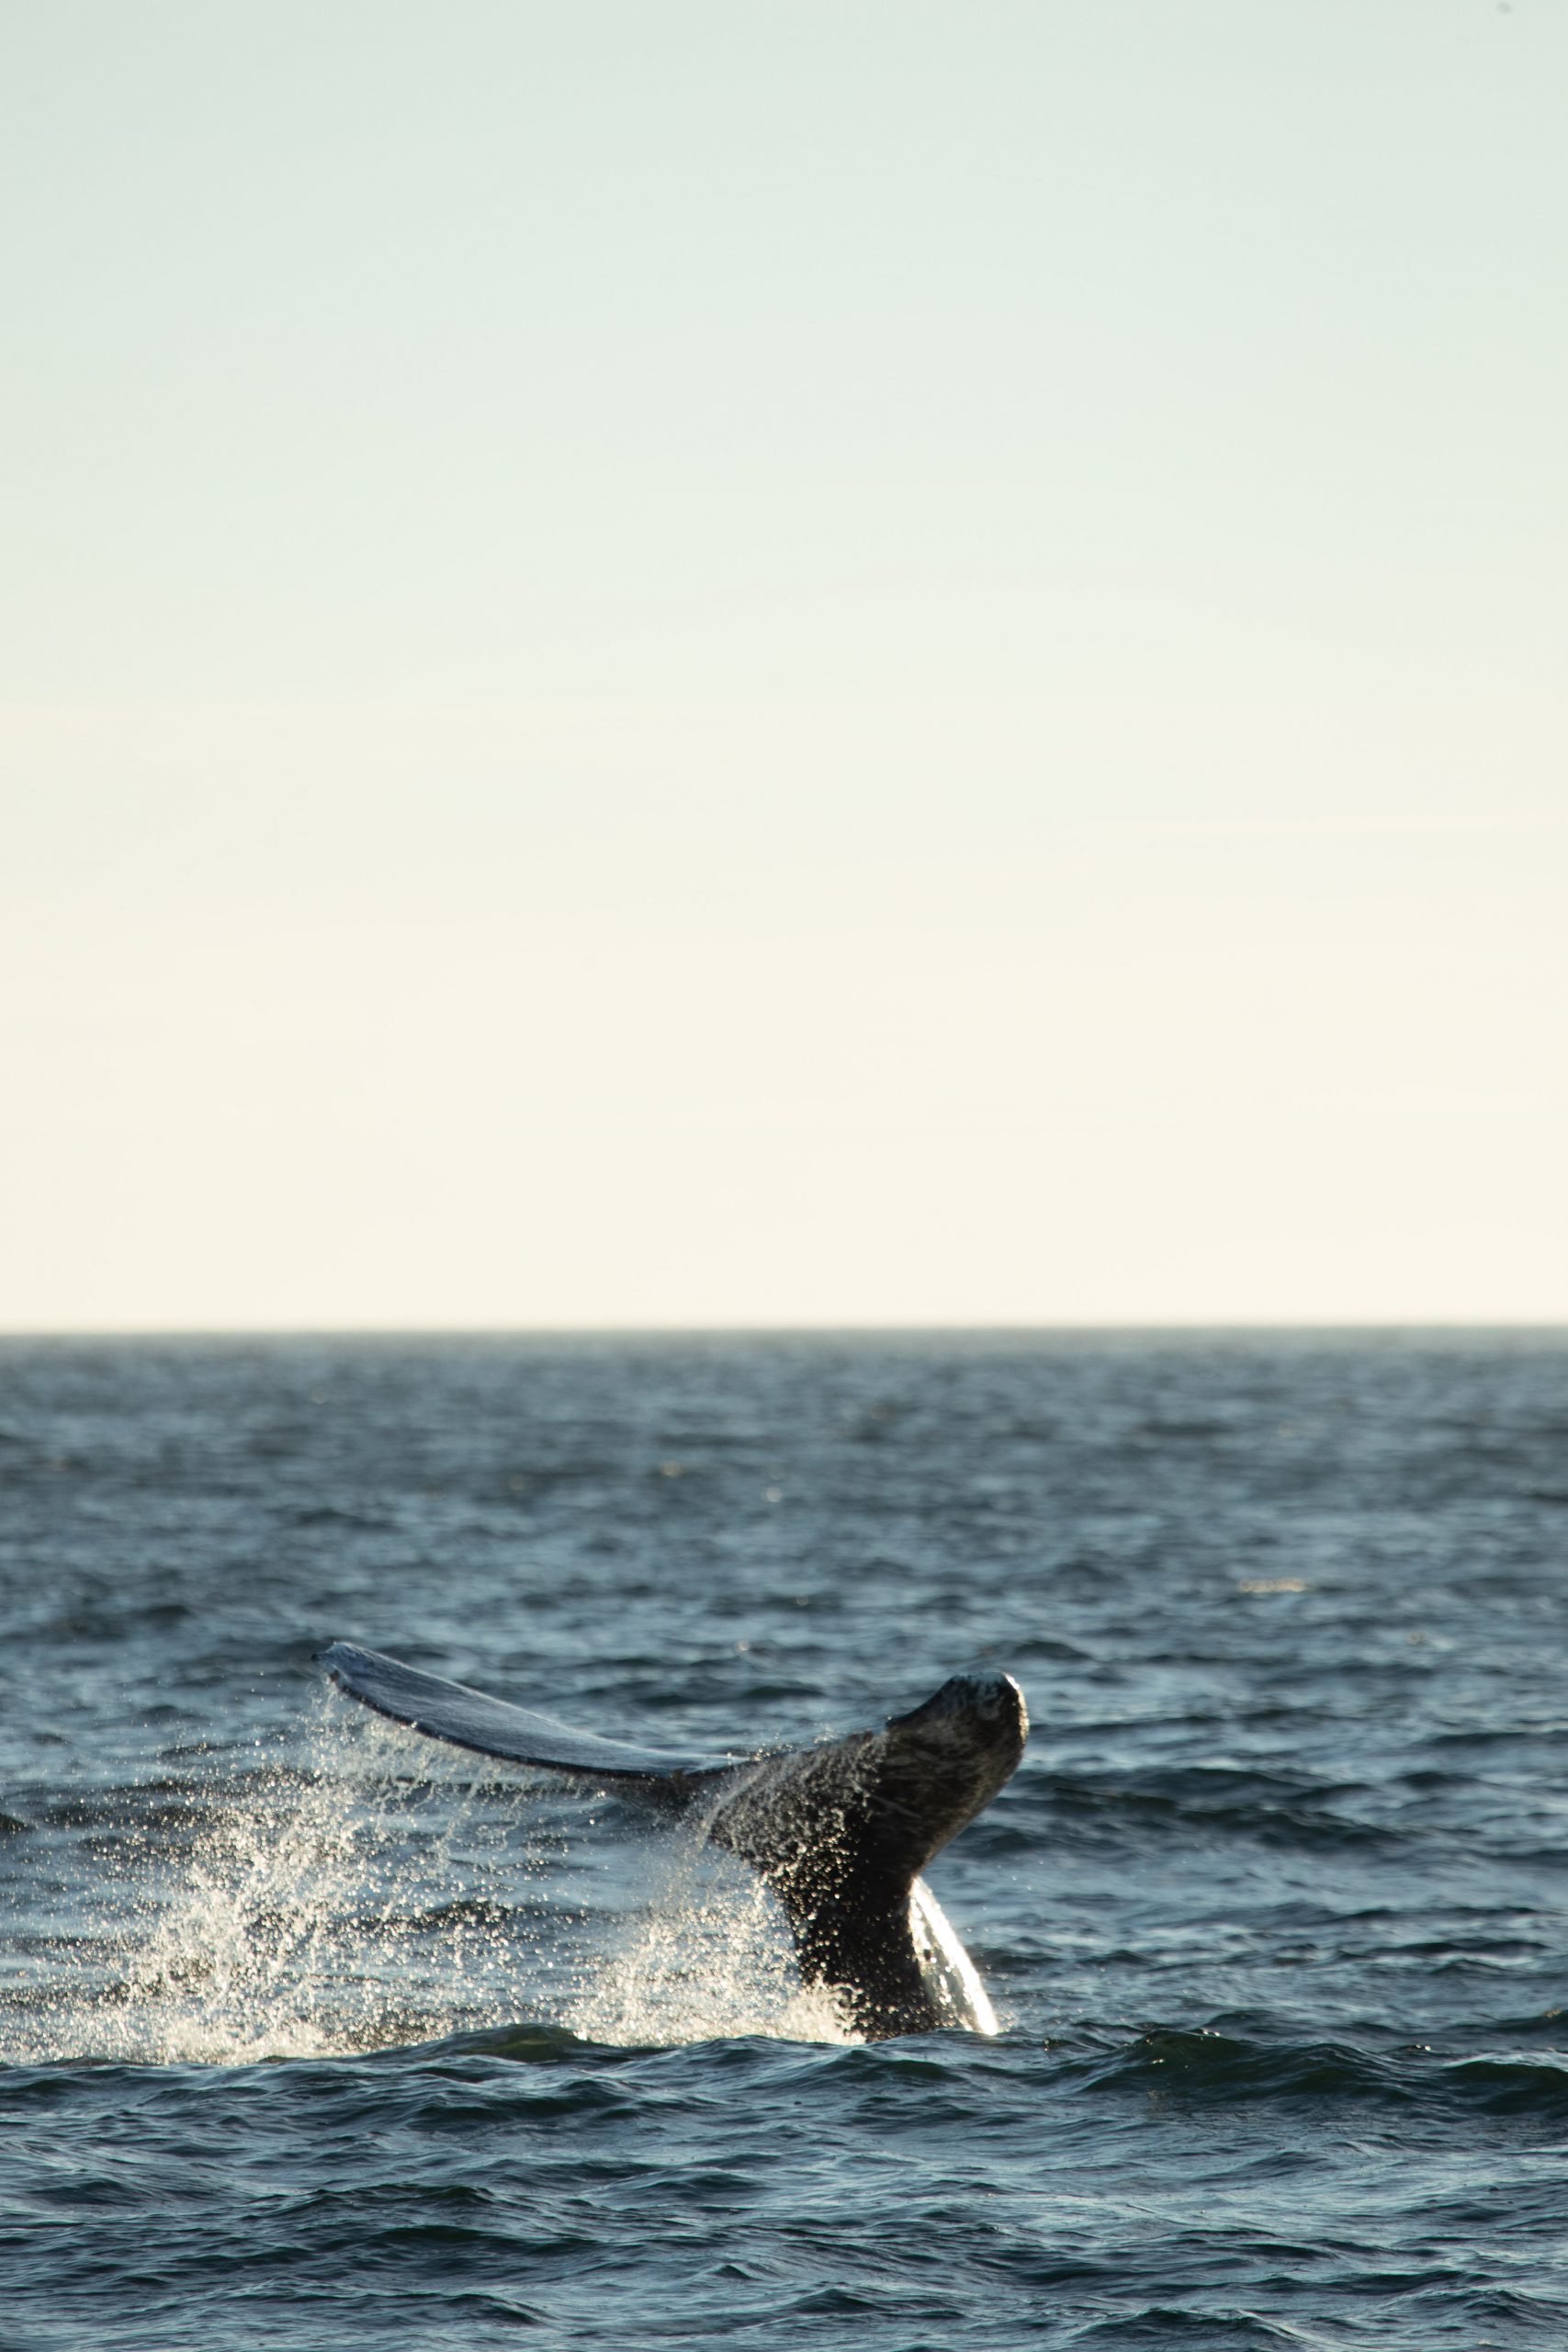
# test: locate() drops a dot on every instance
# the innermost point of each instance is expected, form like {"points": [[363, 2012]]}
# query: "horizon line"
{"points": [[1542, 1326]]}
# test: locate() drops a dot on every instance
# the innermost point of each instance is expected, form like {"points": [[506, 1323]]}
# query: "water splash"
{"points": [[296, 1902], [361, 1890], [322, 1910], [710, 1960]]}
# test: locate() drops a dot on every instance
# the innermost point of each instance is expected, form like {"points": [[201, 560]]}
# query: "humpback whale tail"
{"points": [[841, 1831]]}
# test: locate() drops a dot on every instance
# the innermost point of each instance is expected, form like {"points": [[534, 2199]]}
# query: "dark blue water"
{"points": [[316, 2036]]}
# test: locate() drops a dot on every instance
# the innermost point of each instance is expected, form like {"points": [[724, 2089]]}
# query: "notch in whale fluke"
{"points": [[840, 1831]]}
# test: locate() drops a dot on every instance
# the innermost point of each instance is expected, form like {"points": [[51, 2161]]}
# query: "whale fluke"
{"points": [[840, 1831], [465, 1718]]}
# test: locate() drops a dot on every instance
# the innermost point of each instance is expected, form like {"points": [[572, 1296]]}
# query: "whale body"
{"points": [[840, 1831]]}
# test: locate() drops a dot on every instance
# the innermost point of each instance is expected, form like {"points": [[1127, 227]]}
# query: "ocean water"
{"points": [[314, 2035]]}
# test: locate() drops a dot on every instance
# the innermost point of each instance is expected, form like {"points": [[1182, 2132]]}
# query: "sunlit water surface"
{"points": [[315, 2035]]}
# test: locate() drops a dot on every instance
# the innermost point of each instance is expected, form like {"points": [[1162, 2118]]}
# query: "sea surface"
{"points": [[315, 2035]]}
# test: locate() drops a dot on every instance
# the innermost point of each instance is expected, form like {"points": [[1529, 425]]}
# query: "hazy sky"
{"points": [[839, 661]]}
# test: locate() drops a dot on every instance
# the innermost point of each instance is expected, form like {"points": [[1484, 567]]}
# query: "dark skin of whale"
{"points": [[840, 1832]]}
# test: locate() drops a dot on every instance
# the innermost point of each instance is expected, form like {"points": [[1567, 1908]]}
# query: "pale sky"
{"points": [[784, 661]]}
